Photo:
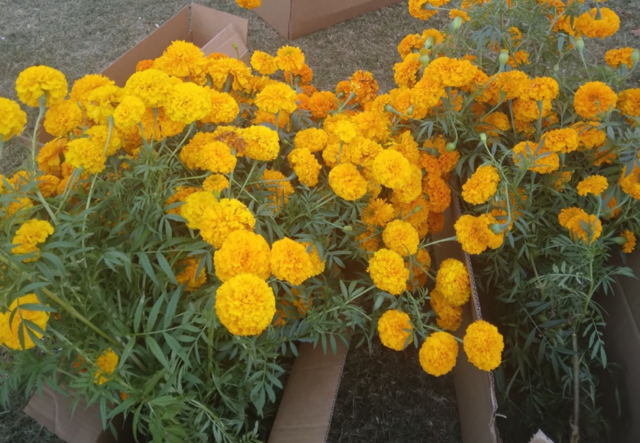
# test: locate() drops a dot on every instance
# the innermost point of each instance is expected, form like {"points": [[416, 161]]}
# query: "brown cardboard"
{"points": [[55, 411], [295, 18]]}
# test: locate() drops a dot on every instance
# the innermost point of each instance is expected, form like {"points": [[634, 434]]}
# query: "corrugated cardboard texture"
{"points": [[304, 415], [295, 18], [475, 390], [622, 343], [204, 26], [54, 411]]}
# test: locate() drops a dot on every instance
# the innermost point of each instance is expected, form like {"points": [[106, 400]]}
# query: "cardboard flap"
{"points": [[176, 28], [224, 43], [475, 389], [208, 23], [277, 13], [304, 415]]}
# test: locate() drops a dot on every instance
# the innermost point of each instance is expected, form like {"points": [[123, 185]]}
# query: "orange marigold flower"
{"points": [[483, 345], [438, 192], [189, 274], [561, 140], [411, 43], [290, 58], [630, 241], [323, 102], [439, 353], [481, 186], [594, 184], [245, 305], [475, 235], [401, 237], [364, 86], [589, 134], [459, 13], [629, 102], [264, 63], [448, 316], [406, 72], [593, 99], [452, 281], [537, 158], [378, 213], [417, 9], [630, 182], [243, 252], [598, 23], [277, 97], [394, 328], [305, 165], [387, 271], [347, 182], [620, 56], [278, 186]]}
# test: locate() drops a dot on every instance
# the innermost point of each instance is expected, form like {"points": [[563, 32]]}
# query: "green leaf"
{"points": [[155, 349], [146, 265], [164, 264]]}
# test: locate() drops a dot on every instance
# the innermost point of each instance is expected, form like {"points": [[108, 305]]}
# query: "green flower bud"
{"points": [[429, 43], [389, 108], [504, 58], [556, 68], [496, 228], [347, 228], [483, 137], [456, 23], [425, 60], [450, 147], [579, 44], [410, 110], [635, 56], [620, 240]]}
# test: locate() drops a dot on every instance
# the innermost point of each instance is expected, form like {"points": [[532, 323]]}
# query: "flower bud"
{"points": [[496, 228], [556, 69], [450, 147], [580, 45], [635, 56], [410, 110], [347, 228], [456, 23], [429, 43], [425, 60], [483, 137], [389, 108], [620, 240], [504, 58]]}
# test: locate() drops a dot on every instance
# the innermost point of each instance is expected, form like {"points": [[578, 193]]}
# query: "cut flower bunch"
{"points": [[167, 250]]}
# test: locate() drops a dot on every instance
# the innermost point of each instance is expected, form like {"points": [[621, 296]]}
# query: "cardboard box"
{"points": [[295, 18], [305, 412]]}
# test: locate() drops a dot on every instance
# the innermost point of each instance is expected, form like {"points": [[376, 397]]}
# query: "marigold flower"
{"points": [[305, 165], [277, 97], [12, 119], [419, 270], [411, 43], [589, 134], [494, 122], [243, 252], [19, 206], [229, 69], [194, 207], [347, 182], [291, 262], [391, 169], [224, 218], [249, 4], [180, 195], [518, 59], [107, 363], [562, 181], [378, 213], [387, 271], [84, 85], [459, 13], [417, 9], [542, 160], [245, 305], [483, 345], [216, 157], [416, 213], [439, 353], [290, 58], [262, 143], [48, 185], [184, 60], [435, 222], [401, 237], [629, 102], [373, 125], [215, 183], [10, 330], [526, 111], [34, 82], [598, 23], [406, 72], [452, 72], [129, 112], [143, 65], [581, 225], [481, 186], [317, 265], [224, 109], [452, 281], [620, 56], [438, 192], [394, 328], [594, 184], [279, 187], [475, 235], [187, 102], [321, 103], [593, 99], [264, 63], [84, 153], [313, 139], [561, 140], [630, 183], [448, 316], [151, 86], [630, 243], [99, 134], [101, 103], [157, 125], [189, 274], [364, 86], [543, 89]]}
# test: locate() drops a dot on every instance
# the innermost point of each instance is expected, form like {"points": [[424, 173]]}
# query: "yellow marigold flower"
{"points": [[151, 86], [439, 353], [10, 330], [249, 4], [417, 9], [222, 69], [568, 214], [629, 102], [391, 169], [437, 36], [518, 59], [494, 122], [243, 252], [216, 157], [215, 183], [305, 165], [378, 213], [388, 272], [291, 262], [459, 13], [620, 56], [290, 58], [345, 131], [84, 153], [406, 72], [594, 184], [19, 206], [438, 192], [195, 206], [526, 110], [190, 154], [313, 139], [84, 85], [411, 43], [347, 182], [416, 212], [593, 99], [224, 218], [99, 134], [401, 237], [245, 305], [598, 23], [180, 195], [630, 183], [184, 60], [483, 345], [277, 97], [563, 181], [317, 265], [394, 328], [481, 186], [604, 155], [321, 103], [262, 143], [543, 89], [48, 185], [278, 186], [189, 274], [187, 102], [364, 86], [34, 82], [452, 72], [589, 134], [362, 151], [143, 65], [630, 243], [224, 109], [373, 125], [284, 118], [561, 140], [303, 76], [475, 235], [452, 281], [419, 270], [129, 112], [540, 159], [264, 63], [12, 119], [447, 160], [368, 241], [448, 316], [107, 363], [581, 225]]}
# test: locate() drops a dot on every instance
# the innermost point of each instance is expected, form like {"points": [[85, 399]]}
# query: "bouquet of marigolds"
{"points": [[166, 251], [549, 175]]}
